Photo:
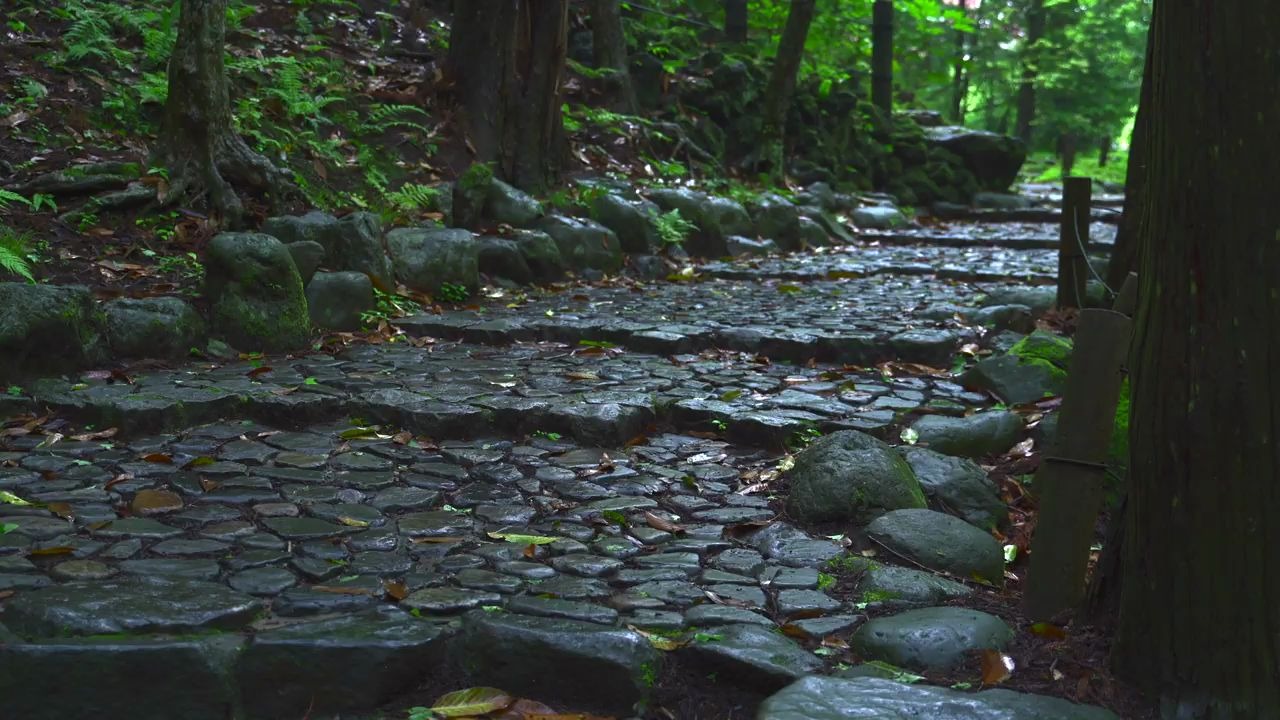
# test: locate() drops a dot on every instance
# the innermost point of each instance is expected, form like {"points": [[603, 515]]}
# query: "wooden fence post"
{"points": [[1073, 241]]}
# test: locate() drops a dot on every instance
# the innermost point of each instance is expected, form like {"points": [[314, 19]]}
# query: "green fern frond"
{"points": [[7, 197], [13, 255]]}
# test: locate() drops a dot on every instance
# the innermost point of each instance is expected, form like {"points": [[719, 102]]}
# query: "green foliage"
{"points": [[17, 253], [672, 228], [386, 307], [453, 292]]}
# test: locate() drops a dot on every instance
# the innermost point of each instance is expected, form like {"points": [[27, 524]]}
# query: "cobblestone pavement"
{"points": [[554, 484]]}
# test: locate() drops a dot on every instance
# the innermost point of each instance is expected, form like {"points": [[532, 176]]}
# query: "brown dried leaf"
{"points": [[996, 667], [155, 502], [396, 589], [657, 522]]}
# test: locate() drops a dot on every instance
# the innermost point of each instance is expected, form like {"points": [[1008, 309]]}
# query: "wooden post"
{"points": [[1071, 474], [882, 56], [1073, 241]]}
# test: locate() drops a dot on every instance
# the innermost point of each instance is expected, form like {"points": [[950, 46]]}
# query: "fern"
{"points": [[13, 254], [411, 197], [7, 197], [386, 117], [672, 229]]}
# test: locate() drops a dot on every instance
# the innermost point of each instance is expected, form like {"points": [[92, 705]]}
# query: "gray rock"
{"points": [[828, 698], [936, 638], [426, 260], [337, 665], [959, 486], [894, 586], [737, 246], [993, 159], [128, 606], [47, 329], [61, 678], [255, 293], [1039, 298], [1003, 317], [500, 257], [162, 327], [977, 435], [315, 226], [1014, 381], [337, 299], [878, 217], [776, 219], [850, 475], [752, 656], [941, 542], [1001, 201], [598, 669], [510, 205], [813, 234], [631, 221], [308, 256], [357, 245], [584, 244], [541, 254], [727, 214], [709, 238]]}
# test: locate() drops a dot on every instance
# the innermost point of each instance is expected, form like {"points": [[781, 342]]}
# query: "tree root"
{"points": [[213, 170]]}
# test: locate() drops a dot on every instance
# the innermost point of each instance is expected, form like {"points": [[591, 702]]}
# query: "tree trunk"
{"points": [[782, 82], [1067, 153], [198, 144], [1124, 254], [1035, 18], [1200, 603], [506, 59], [735, 21], [882, 56], [610, 44], [1104, 151], [959, 79]]}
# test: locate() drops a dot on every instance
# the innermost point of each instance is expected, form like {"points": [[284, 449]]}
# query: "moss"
{"points": [[1118, 449], [1044, 346], [477, 178]]}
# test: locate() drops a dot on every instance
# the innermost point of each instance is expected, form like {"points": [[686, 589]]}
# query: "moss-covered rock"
{"points": [[255, 293], [851, 476], [427, 260], [45, 329], [632, 221], [470, 193], [584, 244], [162, 327]]}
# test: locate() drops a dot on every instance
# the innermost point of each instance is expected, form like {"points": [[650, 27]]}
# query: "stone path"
{"points": [[551, 494]]}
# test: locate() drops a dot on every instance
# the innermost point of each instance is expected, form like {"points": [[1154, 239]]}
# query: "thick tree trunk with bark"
{"points": [[1200, 605], [198, 144], [882, 56], [610, 47], [782, 83], [506, 59], [1035, 18], [1124, 255], [735, 21]]}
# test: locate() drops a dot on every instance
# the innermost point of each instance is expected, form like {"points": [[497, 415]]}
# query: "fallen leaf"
{"points": [[201, 461], [154, 502], [519, 539], [396, 589], [1048, 631], [335, 590], [665, 643], [437, 540], [99, 435], [54, 550], [158, 458], [259, 371], [353, 522], [472, 701], [657, 522], [996, 667], [61, 509]]}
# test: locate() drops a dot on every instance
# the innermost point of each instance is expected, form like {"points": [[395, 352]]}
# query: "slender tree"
{"points": [[198, 144], [735, 21], [1035, 22], [1124, 254], [610, 48], [882, 55], [959, 78], [782, 82], [506, 60], [1200, 603]]}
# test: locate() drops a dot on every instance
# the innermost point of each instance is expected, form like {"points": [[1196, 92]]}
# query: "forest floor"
{"points": [[312, 420]]}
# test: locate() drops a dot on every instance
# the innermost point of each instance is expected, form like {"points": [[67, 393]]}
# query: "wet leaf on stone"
{"points": [[201, 461], [11, 499], [1048, 631], [396, 589], [657, 522], [787, 289], [472, 701], [637, 440], [335, 590], [358, 432], [582, 375], [158, 458], [786, 463], [996, 667], [61, 509], [731, 395], [616, 517], [909, 436], [99, 435], [659, 641], [897, 674], [743, 530], [259, 371], [352, 522], [6, 594], [519, 539], [209, 485], [438, 540], [53, 550], [402, 438]]}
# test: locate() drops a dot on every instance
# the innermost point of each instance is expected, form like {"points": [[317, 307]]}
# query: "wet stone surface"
{"points": [[488, 481]]}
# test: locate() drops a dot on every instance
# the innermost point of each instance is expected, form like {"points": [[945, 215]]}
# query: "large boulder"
{"points": [[336, 300], [352, 243], [427, 260], [47, 329], [509, 205], [828, 698], [941, 542], [992, 158], [255, 293], [501, 257], [777, 219], [972, 436], [161, 327], [959, 486], [541, 253], [584, 244], [632, 221], [850, 476], [878, 217], [709, 239], [937, 638]]}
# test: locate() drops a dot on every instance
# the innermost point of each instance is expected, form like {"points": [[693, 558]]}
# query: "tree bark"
{"points": [[735, 21], [1200, 603], [1035, 18], [959, 79], [782, 82], [1104, 151], [1124, 254], [198, 144], [882, 56], [610, 47], [506, 59]]}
